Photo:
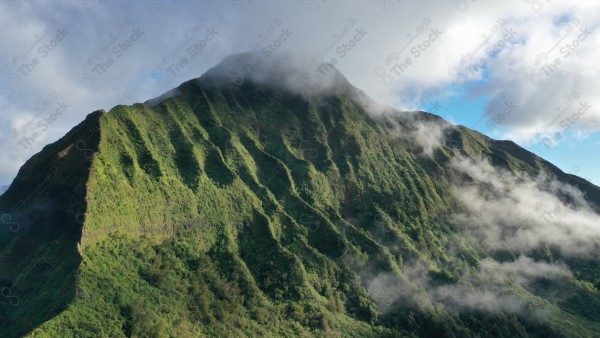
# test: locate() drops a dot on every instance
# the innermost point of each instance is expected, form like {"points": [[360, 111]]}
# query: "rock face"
{"points": [[259, 206]]}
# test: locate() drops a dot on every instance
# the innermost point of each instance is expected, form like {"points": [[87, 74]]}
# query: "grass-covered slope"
{"points": [[252, 211]]}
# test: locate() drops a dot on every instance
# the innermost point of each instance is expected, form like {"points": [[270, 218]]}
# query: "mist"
{"points": [[524, 212], [501, 213]]}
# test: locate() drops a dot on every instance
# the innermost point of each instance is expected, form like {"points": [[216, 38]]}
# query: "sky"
{"points": [[520, 70]]}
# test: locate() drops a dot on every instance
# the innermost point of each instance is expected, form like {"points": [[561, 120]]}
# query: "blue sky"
{"points": [[573, 154], [61, 61]]}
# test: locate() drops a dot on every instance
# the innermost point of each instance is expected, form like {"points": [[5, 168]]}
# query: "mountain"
{"points": [[3, 189], [244, 204]]}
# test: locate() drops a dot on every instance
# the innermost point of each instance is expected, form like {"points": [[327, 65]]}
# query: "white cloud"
{"points": [[427, 134], [521, 213], [491, 286], [501, 212]]}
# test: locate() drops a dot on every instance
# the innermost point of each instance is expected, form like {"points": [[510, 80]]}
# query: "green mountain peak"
{"points": [[268, 200]]}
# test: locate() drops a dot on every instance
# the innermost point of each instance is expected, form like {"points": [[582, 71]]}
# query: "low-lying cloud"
{"points": [[428, 134], [502, 213], [491, 286], [521, 213]]}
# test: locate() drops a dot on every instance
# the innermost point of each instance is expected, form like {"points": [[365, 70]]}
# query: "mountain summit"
{"points": [[278, 71], [282, 72], [247, 203]]}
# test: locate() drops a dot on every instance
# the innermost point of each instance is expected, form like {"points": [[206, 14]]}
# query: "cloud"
{"points": [[283, 72], [521, 213], [492, 286], [429, 135], [410, 289], [425, 131], [502, 212]]}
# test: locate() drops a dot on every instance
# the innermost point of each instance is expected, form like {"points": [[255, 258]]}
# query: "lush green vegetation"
{"points": [[242, 211]]}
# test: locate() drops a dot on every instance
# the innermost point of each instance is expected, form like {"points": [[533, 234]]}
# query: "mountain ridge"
{"points": [[290, 212]]}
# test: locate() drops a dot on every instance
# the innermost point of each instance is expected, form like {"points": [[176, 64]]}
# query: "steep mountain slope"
{"points": [[247, 209]]}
